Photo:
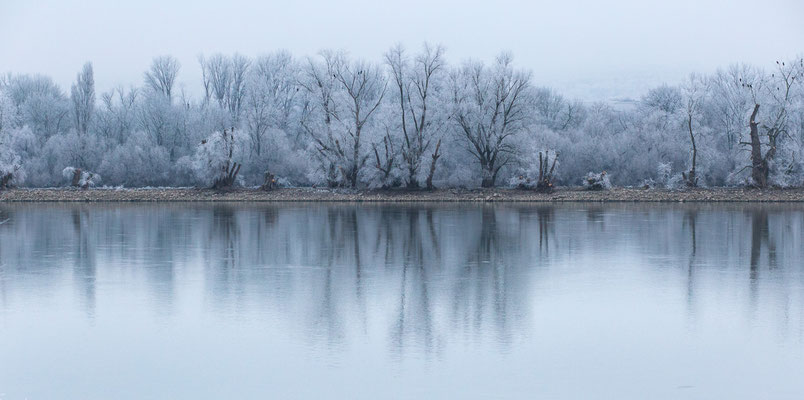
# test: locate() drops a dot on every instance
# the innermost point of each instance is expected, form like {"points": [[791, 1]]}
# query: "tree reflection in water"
{"points": [[423, 274]]}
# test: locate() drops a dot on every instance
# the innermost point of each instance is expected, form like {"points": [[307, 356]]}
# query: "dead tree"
{"points": [[786, 78], [690, 177], [270, 181], [694, 91], [433, 162], [546, 177], [759, 163]]}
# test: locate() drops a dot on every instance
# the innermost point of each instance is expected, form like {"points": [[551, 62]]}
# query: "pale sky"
{"points": [[589, 49]]}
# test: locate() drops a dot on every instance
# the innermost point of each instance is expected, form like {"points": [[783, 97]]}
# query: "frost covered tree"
{"points": [[554, 111], [161, 77], [344, 97], [490, 107], [82, 95], [116, 118], [38, 103], [10, 169], [362, 89], [224, 81], [318, 118], [412, 120], [780, 93], [727, 110], [214, 161], [692, 97], [271, 110], [417, 87]]}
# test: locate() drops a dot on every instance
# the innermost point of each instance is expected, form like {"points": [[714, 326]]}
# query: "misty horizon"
{"points": [[585, 51]]}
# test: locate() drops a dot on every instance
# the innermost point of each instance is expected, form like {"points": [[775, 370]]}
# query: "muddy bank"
{"points": [[463, 195]]}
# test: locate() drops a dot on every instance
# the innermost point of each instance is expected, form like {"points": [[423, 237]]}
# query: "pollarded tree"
{"points": [[82, 94], [490, 107], [416, 90], [161, 77]]}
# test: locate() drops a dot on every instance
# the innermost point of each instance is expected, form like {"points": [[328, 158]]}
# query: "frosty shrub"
{"points": [[597, 181], [676, 182], [664, 172], [80, 178]]}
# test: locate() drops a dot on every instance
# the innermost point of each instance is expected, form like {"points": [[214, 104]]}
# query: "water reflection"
{"points": [[412, 279]]}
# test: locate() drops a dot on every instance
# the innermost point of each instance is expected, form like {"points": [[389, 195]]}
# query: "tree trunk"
{"points": [[269, 182], [76, 177], [759, 166], [545, 180], [692, 180], [5, 180], [436, 155], [488, 180]]}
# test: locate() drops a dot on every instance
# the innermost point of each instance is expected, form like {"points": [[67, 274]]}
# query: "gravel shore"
{"points": [[442, 195]]}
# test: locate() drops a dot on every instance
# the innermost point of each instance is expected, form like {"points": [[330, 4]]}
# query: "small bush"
{"points": [[597, 181]]}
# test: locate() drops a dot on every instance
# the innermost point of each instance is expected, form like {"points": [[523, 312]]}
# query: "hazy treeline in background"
{"points": [[411, 120]]}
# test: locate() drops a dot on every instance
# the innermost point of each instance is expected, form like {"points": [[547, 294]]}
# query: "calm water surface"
{"points": [[256, 301]]}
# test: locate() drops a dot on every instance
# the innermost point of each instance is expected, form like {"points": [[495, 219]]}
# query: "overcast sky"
{"points": [[585, 48]]}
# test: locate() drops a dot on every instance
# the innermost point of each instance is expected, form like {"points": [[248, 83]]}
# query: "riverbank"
{"points": [[442, 195]]}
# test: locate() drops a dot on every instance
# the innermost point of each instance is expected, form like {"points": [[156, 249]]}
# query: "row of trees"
{"points": [[411, 120]]}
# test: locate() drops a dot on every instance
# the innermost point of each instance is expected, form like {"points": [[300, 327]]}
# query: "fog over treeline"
{"points": [[412, 120]]}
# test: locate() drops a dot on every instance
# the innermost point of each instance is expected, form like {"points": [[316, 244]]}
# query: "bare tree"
{"points": [[415, 85], [162, 75], [319, 112], [693, 93], [346, 103], [490, 107], [269, 105], [364, 87], [225, 81], [237, 89], [82, 94], [554, 111], [216, 71]]}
